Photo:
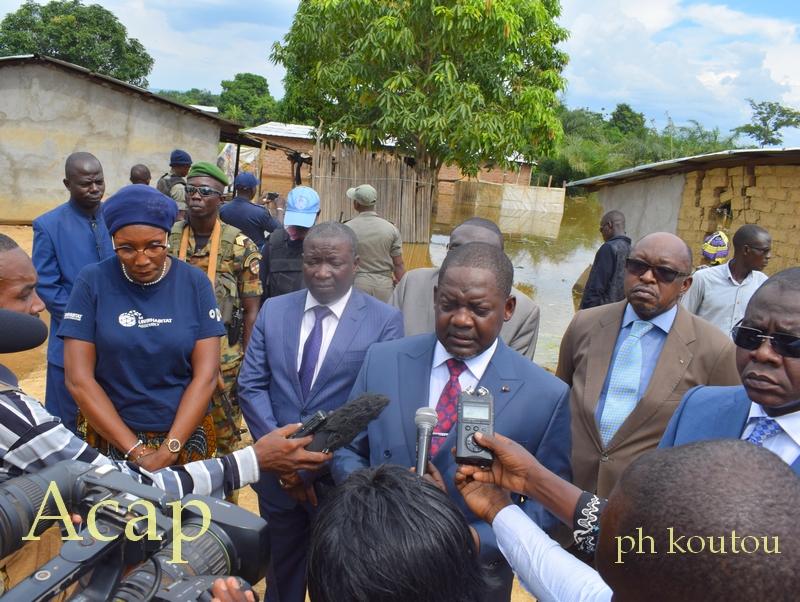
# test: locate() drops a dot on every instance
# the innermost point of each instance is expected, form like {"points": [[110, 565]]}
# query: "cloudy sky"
{"points": [[694, 59]]}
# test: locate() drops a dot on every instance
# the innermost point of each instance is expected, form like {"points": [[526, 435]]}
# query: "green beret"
{"points": [[207, 169]]}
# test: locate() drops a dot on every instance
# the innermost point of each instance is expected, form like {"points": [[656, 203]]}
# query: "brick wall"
{"points": [[766, 195], [496, 176]]}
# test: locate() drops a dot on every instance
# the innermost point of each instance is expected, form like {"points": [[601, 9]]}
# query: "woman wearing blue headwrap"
{"points": [[141, 341]]}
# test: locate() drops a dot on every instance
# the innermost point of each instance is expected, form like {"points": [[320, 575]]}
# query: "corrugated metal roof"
{"points": [[284, 130], [228, 126], [751, 156]]}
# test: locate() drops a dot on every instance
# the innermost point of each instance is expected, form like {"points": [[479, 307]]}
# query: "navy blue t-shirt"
{"points": [[144, 336]]}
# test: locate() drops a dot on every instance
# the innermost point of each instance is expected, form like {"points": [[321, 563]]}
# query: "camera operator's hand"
{"points": [[228, 590], [281, 456]]}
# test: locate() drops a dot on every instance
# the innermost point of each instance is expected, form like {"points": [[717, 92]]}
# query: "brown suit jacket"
{"points": [[695, 353]]}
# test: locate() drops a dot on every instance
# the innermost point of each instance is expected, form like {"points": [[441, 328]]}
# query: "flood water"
{"points": [[544, 268]]}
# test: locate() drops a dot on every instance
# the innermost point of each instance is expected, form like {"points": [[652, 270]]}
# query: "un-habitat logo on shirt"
{"points": [[134, 318]]}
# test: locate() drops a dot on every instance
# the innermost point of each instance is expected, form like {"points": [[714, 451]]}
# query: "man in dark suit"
{"points": [[766, 409], [305, 352], [472, 301], [629, 363]]}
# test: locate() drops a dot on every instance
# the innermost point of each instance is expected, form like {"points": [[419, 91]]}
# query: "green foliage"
{"points": [[195, 96], [460, 82], [89, 36], [246, 99], [593, 146], [768, 119], [626, 120]]}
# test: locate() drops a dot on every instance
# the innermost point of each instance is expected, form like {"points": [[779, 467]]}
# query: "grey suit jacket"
{"points": [[695, 353], [414, 297]]}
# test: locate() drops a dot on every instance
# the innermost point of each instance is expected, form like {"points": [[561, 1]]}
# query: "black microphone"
{"points": [[20, 332], [425, 419], [345, 423]]}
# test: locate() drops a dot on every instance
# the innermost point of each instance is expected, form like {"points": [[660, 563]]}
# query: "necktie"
{"points": [[623, 389], [311, 351], [765, 428], [447, 406]]}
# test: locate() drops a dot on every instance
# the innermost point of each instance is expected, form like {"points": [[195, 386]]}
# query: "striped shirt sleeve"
{"points": [[32, 439]]}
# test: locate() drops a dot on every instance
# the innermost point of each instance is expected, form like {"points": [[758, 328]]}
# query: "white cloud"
{"points": [[697, 61]]}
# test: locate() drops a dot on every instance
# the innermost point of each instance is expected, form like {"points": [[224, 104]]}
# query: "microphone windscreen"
{"points": [[20, 332], [426, 416], [344, 425]]}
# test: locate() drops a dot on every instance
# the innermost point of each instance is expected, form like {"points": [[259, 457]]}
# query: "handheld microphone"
{"points": [[20, 331], [425, 419], [343, 425]]}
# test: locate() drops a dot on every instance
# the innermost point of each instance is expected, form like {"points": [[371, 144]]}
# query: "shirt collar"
{"points": [[477, 365], [790, 423], [76, 210], [663, 321], [337, 307], [730, 277]]}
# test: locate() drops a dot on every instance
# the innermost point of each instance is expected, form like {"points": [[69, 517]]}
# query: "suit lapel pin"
{"points": [[681, 361], [505, 389]]}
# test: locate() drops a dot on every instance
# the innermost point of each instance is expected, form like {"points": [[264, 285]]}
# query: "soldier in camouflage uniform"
{"points": [[235, 280]]}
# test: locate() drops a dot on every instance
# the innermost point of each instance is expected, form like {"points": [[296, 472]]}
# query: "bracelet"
{"points": [[280, 209], [139, 457], [138, 443]]}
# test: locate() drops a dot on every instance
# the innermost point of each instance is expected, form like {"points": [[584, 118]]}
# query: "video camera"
{"points": [[185, 545]]}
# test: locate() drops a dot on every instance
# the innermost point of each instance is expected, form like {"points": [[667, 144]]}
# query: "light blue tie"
{"points": [[765, 428], [623, 389]]}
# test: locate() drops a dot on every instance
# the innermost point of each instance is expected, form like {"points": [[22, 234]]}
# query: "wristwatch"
{"points": [[173, 445]]}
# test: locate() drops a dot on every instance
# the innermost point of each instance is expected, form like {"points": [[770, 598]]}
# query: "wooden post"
{"points": [[550, 181]]}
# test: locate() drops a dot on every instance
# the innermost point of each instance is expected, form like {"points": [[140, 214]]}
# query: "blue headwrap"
{"points": [[139, 204]]}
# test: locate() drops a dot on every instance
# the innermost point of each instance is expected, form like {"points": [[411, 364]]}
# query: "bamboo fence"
{"points": [[404, 194]]}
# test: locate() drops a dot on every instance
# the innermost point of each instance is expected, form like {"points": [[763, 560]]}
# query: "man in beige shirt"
{"points": [[379, 246]]}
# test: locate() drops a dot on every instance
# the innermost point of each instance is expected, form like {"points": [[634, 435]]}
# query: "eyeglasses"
{"points": [[660, 273], [787, 345], [151, 250], [762, 249], [603, 226], [203, 190]]}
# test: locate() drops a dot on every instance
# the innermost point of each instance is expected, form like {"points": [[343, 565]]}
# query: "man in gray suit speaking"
{"points": [[414, 294]]}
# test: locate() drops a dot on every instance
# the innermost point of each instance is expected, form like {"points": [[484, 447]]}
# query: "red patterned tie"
{"points": [[447, 407]]}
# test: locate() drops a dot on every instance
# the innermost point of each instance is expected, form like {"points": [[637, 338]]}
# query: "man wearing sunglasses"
{"points": [[720, 293], [629, 363], [766, 409], [606, 282]]}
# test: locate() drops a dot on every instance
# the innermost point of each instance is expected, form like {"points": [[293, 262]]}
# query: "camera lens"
{"points": [[207, 555], [20, 500]]}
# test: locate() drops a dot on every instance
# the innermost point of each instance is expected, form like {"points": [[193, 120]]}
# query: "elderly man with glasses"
{"points": [[629, 363]]}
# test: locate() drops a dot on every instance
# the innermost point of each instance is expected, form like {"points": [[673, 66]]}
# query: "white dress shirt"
{"points": [[543, 568], [470, 377], [329, 324], [717, 297], [785, 444]]}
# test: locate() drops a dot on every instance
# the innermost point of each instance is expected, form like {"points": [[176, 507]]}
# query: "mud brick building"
{"points": [[694, 196]]}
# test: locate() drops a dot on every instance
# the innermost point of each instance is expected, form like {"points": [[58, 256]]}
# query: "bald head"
{"points": [[672, 245], [702, 494], [80, 161], [140, 174], [612, 224], [85, 182], [657, 274]]}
